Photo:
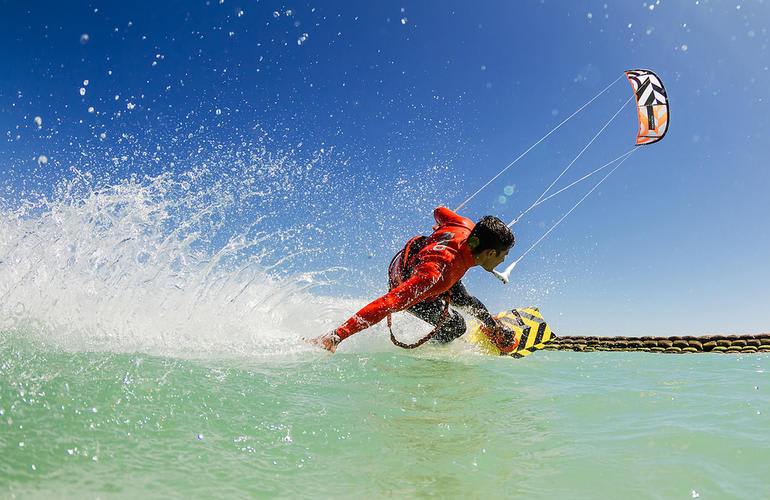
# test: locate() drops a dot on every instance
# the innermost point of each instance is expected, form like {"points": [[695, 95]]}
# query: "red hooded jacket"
{"points": [[441, 263]]}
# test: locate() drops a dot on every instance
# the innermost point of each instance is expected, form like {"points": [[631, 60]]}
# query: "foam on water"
{"points": [[173, 264]]}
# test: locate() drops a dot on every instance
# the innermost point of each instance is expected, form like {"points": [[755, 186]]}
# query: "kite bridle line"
{"points": [[538, 142]]}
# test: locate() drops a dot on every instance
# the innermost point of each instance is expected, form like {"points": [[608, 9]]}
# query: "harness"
{"points": [[401, 266]]}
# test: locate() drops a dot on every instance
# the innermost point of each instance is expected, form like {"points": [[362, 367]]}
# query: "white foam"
{"points": [[152, 266]]}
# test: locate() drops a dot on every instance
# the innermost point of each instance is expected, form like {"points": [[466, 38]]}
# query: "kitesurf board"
{"points": [[532, 333]]}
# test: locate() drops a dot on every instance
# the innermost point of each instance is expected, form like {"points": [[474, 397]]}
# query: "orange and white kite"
{"points": [[652, 105]]}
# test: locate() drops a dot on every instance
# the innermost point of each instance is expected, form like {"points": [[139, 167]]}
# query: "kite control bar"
{"points": [[504, 276]]}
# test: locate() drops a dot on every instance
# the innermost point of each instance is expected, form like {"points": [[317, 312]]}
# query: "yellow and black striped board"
{"points": [[531, 330]]}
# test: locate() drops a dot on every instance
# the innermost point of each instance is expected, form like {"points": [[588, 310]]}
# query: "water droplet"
{"points": [[42, 160], [684, 48], [38, 121], [403, 20], [82, 91], [84, 38], [130, 105], [276, 14]]}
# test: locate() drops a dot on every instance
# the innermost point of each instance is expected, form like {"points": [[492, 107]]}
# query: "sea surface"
{"points": [[374, 422]]}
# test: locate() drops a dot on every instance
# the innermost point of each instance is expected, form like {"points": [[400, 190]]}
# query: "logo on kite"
{"points": [[652, 105]]}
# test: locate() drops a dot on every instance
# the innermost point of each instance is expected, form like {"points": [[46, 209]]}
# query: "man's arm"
{"points": [[498, 332], [414, 290], [470, 304]]}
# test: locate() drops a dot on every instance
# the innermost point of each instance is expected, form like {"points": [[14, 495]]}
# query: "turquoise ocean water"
{"points": [[441, 422]]}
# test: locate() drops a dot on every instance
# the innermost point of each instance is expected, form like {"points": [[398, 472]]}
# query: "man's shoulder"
{"points": [[444, 217]]}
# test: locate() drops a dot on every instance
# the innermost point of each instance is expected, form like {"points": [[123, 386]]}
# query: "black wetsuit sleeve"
{"points": [[470, 304]]}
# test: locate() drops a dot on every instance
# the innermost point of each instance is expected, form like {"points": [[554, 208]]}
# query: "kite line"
{"points": [[540, 199], [538, 142], [653, 114]]}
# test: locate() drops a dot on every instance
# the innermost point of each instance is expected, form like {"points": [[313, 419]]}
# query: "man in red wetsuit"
{"points": [[427, 270]]}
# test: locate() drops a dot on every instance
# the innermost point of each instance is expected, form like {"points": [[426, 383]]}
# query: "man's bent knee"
{"points": [[453, 327]]}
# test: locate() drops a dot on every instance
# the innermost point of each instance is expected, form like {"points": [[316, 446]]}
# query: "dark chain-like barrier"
{"points": [[675, 345]]}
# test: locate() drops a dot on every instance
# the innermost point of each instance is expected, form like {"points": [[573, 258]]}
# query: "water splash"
{"points": [[176, 264]]}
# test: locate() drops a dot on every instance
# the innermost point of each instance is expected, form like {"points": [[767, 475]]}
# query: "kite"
{"points": [[652, 105]]}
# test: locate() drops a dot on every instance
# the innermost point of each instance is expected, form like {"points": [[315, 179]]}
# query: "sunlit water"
{"points": [[376, 424], [150, 347]]}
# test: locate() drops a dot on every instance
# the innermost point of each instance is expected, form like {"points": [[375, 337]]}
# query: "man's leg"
{"points": [[432, 312]]}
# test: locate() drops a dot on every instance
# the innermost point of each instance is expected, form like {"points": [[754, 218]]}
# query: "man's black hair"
{"points": [[490, 233]]}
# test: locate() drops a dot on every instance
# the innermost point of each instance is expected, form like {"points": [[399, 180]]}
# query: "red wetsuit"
{"points": [[442, 262]]}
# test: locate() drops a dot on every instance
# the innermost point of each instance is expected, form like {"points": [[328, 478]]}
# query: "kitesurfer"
{"points": [[425, 278]]}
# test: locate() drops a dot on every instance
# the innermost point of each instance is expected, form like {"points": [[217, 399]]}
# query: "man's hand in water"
{"points": [[328, 341]]}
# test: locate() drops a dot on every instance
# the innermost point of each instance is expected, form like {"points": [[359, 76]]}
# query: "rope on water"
{"points": [[673, 345]]}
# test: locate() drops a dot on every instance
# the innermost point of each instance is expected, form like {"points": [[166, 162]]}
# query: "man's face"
{"points": [[492, 258]]}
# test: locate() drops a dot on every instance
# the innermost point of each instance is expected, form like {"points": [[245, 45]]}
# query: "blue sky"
{"points": [[405, 106]]}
